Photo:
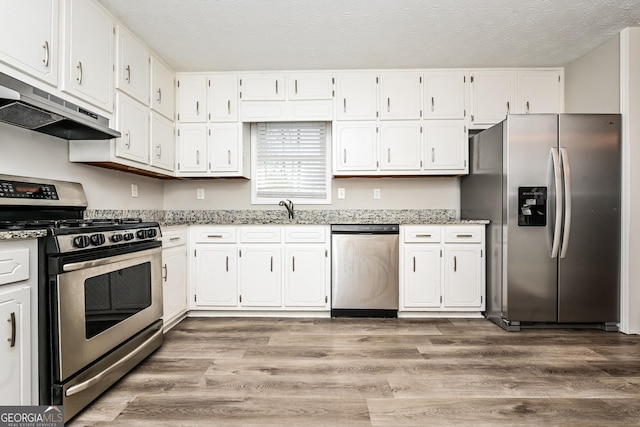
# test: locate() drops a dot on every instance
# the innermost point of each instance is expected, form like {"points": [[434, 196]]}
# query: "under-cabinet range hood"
{"points": [[32, 108]]}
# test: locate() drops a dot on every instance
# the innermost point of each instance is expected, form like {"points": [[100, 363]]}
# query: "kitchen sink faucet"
{"points": [[289, 206]]}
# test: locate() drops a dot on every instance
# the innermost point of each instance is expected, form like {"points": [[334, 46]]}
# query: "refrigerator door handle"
{"points": [[564, 156], [557, 174]]}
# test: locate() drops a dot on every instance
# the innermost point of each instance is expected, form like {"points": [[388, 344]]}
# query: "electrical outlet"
{"points": [[342, 193], [376, 193], [200, 194], [134, 190]]}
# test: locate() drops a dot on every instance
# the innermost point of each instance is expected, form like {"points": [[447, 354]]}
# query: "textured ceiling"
{"points": [[239, 35]]}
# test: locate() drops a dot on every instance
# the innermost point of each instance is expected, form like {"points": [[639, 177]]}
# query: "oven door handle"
{"points": [[74, 266], [96, 379]]}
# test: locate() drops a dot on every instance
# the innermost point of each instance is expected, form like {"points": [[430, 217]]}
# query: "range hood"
{"points": [[31, 108]]}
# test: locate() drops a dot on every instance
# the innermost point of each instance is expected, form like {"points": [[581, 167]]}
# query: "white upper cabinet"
{"points": [[29, 38], [88, 67], [163, 92], [400, 95], [446, 146], [310, 86], [356, 147], [262, 87], [224, 147], [192, 99], [356, 96], [444, 94], [222, 98], [493, 95], [132, 66], [192, 148], [400, 146], [133, 123], [540, 91], [163, 142]]}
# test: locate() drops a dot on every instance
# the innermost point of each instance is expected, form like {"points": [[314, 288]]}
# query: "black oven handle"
{"points": [[75, 266]]}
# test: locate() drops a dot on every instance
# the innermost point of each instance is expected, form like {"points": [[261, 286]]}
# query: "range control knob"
{"points": [[97, 239], [117, 238], [81, 241], [128, 236], [141, 234], [152, 233]]}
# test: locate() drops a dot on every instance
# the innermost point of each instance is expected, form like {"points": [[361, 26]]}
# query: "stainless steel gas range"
{"points": [[99, 291]]}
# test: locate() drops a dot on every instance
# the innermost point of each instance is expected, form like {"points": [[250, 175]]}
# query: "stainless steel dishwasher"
{"points": [[364, 270]]}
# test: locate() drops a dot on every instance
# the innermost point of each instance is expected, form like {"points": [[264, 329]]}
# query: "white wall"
{"points": [[27, 153], [592, 82], [396, 193], [630, 108]]}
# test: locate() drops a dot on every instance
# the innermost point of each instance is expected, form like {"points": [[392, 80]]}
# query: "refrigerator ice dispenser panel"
{"points": [[532, 203]]}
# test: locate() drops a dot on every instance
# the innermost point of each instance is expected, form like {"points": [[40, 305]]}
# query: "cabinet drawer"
{"points": [[216, 235], [174, 236], [469, 234], [260, 235], [305, 234], [422, 234], [14, 266]]}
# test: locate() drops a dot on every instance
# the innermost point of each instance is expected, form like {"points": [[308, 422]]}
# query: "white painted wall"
{"points": [[396, 193], [630, 108], [27, 153], [592, 82]]}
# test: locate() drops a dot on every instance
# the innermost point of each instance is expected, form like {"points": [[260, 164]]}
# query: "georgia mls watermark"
{"points": [[31, 416]]}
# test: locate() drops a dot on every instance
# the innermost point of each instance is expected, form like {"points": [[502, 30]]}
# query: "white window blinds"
{"points": [[291, 161]]}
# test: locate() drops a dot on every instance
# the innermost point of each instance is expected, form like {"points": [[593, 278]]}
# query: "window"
{"points": [[291, 161]]}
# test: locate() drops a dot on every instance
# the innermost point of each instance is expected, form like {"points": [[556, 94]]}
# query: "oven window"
{"points": [[113, 297]]}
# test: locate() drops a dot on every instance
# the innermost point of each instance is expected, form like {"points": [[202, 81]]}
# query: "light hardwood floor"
{"points": [[376, 372]]}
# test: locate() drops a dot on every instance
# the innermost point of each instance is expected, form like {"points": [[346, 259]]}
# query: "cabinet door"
{"points": [[400, 96], [306, 273], [539, 92], [15, 348], [262, 87], [463, 280], [446, 146], [493, 94], [216, 275], [163, 96], [222, 100], [224, 147], [192, 148], [192, 98], [261, 276], [163, 142], [133, 63], [310, 86], [444, 95], [88, 66], [356, 96], [422, 282], [400, 146], [133, 123], [174, 281], [356, 146], [33, 51]]}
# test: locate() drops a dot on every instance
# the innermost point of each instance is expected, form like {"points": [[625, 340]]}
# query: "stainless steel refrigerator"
{"points": [[550, 184]]}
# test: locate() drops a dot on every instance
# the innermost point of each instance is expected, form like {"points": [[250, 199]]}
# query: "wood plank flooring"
{"points": [[376, 372]]}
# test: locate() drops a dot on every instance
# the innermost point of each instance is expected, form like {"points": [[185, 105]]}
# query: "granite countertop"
{"points": [[22, 234]]}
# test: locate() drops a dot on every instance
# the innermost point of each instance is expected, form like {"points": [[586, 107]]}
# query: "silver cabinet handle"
{"points": [[158, 151], [166, 272], [527, 107], [159, 98], [464, 235], [276, 87], [228, 106], [128, 70], [455, 263], [433, 104], [388, 105], [508, 108], [79, 67], [557, 173], [423, 235], [388, 155], [45, 60], [197, 157], [227, 263], [293, 263], [344, 105], [566, 169], [12, 338], [214, 236], [271, 265], [173, 239], [344, 156], [296, 86], [414, 264], [229, 157], [128, 143], [433, 155], [197, 108]]}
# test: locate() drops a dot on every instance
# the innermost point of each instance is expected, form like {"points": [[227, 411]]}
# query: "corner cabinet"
{"points": [[174, 275], [260, 268], [442, 269]]}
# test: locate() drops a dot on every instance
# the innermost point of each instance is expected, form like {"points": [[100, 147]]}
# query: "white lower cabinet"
{"points": [[443, 268], [174, 275], [255, 268]]}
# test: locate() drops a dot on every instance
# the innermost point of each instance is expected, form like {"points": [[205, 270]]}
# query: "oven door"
{"points": [[99, 303]]}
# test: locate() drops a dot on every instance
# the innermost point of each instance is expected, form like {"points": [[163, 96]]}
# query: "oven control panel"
{"points": [[90, 240], [27, 190]]}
